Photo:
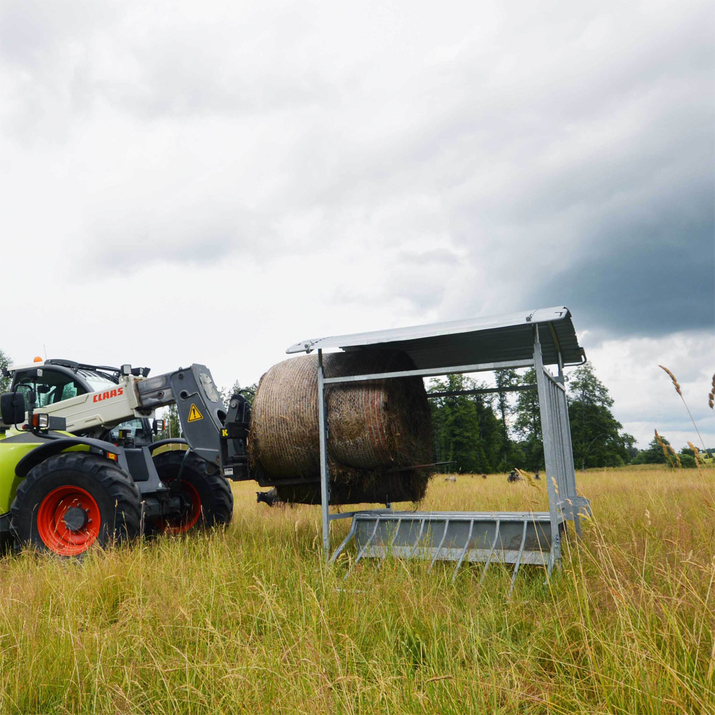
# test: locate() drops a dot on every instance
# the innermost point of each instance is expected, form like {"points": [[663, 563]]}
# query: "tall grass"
{"points": [[252, 620]]}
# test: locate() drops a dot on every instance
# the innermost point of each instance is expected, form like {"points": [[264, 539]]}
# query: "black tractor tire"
{"points": [[206, 492], [75, 501]]}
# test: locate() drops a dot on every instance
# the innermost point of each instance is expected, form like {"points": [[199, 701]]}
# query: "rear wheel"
{"points": [[205, 494], [74, 501]]}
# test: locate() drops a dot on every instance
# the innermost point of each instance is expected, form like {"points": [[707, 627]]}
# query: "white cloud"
{"points": [[212, 182], [645, 399]]}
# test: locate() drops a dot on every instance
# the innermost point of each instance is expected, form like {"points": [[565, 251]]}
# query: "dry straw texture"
{"points": [[374, 428], [250, 620]]}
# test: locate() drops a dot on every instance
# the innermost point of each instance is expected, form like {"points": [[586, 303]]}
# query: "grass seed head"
{"points": [[667, 450], [694, 448], [676, 384]]}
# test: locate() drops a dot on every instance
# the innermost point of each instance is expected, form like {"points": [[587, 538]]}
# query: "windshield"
{"points": [[51, 387], [97, 381]]}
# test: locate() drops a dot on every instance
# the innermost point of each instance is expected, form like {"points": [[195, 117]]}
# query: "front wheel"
{"points": [[74, 501], [205, 494]]}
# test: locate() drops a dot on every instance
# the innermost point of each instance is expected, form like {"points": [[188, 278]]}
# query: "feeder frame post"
{"points": [[547, 429], [324, 475]]}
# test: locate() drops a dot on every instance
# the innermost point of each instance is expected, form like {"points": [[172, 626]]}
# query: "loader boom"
{"points": [[129, 393]]}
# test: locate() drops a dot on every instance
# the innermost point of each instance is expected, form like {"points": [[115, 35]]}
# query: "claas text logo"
{"points": [[99, 396]]}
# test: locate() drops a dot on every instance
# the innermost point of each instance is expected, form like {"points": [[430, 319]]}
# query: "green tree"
{"points": [[595, 432], [248, 392], [503, 379], [5, 363], [173, 424], [466, 430], [528, 424], [655, 454]]}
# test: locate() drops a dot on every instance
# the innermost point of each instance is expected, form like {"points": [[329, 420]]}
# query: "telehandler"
{"points": [[79, 465]]}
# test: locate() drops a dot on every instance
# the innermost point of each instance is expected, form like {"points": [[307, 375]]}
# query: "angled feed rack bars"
{"points": [[536, 340]]}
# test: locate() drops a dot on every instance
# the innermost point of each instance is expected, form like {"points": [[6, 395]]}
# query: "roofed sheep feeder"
{"points": [[537, 339]]}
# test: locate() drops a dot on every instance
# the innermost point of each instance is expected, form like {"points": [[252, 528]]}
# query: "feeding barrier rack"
{"points": [[538, 339]]}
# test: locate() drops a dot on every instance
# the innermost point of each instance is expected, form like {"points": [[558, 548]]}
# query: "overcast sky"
{"points": [[212, 182]]}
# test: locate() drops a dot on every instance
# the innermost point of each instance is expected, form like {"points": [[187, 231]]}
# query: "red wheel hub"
{"points": [[68, 520], [186, 521]]}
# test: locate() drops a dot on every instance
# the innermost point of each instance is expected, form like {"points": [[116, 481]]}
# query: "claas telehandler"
{"points": [[80, 465]]}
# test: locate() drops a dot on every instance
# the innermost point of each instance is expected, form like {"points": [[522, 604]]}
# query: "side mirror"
{"points": [[158, 426], [12, 407]]}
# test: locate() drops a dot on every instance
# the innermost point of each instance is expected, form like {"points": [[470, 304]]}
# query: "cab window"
{"points": [[50, 388]]}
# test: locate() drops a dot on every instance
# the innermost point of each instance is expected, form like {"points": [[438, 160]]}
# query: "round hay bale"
{"points": [[373, 429]]}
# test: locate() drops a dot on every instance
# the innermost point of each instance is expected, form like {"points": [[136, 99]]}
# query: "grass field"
{"points": [[250, 620]]}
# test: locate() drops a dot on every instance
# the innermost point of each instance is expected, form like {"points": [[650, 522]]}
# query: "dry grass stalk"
{"points": [[528, 478], [676, 384], [627, 624], [696, 453], [667, 450]]}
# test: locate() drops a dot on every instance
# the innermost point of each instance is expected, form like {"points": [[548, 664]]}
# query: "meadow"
{"points": [[251, 620]]}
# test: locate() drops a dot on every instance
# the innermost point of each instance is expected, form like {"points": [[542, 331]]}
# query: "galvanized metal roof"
{"points": [[469, 342]]}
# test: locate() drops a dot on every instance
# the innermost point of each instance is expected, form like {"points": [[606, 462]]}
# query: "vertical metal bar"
{"points": [[363, 549], [419, 536], [340, 548], [392, 541], [464, 550], [557, 439], [568, 458], [552, 560], [547, 434], [369, 541], [491, 551], [324, 476], [441, 543], [518, 558]]}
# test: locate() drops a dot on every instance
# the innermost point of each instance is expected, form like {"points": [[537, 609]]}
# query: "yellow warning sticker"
{"points": [[194, 414]]}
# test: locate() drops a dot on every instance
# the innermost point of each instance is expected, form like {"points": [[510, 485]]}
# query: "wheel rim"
{"points": [[186, 521], [68, 520]]}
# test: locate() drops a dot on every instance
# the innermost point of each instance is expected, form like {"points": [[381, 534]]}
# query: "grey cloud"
{"points": [[644, 274], [35, 34], [441, 257], [571, 162]]}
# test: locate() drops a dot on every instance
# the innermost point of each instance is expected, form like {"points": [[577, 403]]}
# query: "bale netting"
{"points": [[378, 431]]}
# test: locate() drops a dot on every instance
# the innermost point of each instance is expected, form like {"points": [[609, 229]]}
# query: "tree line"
{"points": [[491, 432]]}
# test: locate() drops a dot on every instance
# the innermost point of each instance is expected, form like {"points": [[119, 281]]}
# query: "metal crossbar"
{"points": [[432, 372]]}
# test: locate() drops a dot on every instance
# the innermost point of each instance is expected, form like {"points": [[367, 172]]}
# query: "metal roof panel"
{"points": [[467, 342]]}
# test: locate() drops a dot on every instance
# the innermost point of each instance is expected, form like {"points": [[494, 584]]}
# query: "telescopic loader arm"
{"points": [[215, 434]]}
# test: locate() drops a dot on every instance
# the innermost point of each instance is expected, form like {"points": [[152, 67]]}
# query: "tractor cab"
{"points": [[57, 380], [93, 398]]}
